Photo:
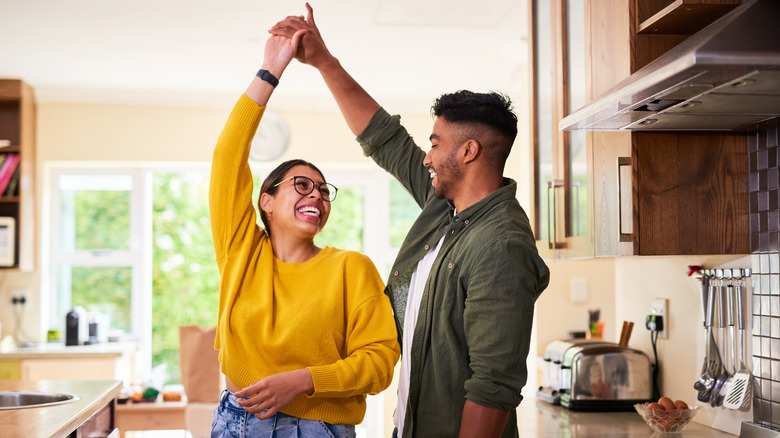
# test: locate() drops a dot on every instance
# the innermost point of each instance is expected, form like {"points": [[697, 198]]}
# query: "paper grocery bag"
{"points": [[199, 362]]}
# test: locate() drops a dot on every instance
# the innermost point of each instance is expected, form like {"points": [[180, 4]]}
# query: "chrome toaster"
{"points": [[587, 375]]}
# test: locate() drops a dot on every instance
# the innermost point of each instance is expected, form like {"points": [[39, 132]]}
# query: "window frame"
{"points": [[137, 257]]}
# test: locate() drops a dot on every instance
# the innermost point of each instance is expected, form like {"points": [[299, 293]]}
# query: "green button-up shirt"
{"points": [[474, 324]]}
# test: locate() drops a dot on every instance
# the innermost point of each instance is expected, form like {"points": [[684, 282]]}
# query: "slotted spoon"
{"points": [[741, 387], [730, 350]]}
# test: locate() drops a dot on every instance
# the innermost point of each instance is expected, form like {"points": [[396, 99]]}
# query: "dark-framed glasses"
{"points": [[305, 185]]}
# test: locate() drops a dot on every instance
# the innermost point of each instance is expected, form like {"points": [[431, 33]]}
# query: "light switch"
{"points": [[578, 288]]}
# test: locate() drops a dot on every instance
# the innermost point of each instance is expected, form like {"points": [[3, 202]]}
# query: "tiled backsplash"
{"points": [[765, 249]]}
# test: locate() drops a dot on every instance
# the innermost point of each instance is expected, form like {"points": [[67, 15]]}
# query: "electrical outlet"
{"points": [[660, 307], [18, 296]]}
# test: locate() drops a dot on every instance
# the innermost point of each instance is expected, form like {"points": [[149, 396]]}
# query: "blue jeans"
{"points": [[232, 421]]}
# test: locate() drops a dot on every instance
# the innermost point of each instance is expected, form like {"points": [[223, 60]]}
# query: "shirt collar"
{"points": [[509, 190]]}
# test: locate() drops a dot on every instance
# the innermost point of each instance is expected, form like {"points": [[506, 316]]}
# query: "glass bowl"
{"points": [[672, 421]]}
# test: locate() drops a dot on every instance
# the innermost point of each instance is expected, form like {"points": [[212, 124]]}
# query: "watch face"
{"points": [[272, 138]]}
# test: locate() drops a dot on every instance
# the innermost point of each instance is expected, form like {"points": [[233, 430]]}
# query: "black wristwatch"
{"points": [[268, 77]]}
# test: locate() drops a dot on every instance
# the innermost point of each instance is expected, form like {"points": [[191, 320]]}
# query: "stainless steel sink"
{"points": [[29, 399]]}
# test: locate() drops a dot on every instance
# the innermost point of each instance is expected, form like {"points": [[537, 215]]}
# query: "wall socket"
{"points": [[660, 307], [18, 296]]}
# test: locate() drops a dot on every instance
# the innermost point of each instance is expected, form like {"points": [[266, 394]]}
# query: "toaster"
{"points": [[592, 375]]}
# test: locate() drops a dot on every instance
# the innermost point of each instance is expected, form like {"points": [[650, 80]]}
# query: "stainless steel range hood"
{"points": [[726, 77]]}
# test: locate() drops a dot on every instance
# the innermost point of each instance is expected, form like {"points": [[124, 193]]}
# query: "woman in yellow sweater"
{"points": [[304, 333]]}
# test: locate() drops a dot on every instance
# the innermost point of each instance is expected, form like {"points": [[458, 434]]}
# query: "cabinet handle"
{"points": [[552, 231], [621, 162]]}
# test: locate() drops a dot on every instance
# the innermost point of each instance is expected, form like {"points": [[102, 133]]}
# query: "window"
{"points": [[128, 243], [97, 253]]}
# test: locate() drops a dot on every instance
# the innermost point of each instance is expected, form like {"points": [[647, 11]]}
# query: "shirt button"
{"points": [[427, 247], [450, 266], [395, 273], [466, 222]]}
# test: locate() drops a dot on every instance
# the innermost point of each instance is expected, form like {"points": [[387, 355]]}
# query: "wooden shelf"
{"points": [[17, 124], [686, 17]]}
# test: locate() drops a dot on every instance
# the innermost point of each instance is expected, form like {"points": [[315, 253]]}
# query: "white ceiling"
{"points": [[204, 52]]}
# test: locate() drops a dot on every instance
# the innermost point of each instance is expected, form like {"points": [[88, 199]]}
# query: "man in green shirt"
{"points": [[466, 278]]}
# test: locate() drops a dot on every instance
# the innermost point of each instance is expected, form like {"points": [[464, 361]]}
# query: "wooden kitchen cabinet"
{"points": [[101, 424], [680, 16], [658, 193], [561, 185], [17, 126]]}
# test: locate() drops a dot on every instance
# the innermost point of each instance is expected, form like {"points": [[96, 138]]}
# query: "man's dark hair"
{"points": [[275, 177], [474, 112]]}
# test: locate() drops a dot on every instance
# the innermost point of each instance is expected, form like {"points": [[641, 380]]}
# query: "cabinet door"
{"points": [[691, 193], [545, 183], [99, 425], [10, 370], [561, 183]]}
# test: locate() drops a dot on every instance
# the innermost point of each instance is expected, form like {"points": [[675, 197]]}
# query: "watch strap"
{"points": [[268, 77]]}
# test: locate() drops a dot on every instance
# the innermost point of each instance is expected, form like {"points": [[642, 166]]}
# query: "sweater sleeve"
{"points": [[232, 214], [371, 343]]}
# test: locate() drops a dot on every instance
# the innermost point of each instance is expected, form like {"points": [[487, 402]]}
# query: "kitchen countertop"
{"points": [[58, 420], [60, 351], [536, 418]]}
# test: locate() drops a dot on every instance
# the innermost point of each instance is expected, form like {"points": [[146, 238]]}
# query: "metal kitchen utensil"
{"points": [[741, 386], [712, 363], [730, 350], [701, 383], [722, 374]]}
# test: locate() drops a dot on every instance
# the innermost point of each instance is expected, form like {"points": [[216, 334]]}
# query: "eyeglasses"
{"points": [[305, 185]]}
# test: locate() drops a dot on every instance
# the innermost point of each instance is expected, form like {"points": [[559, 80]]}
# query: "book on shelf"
{"points": [[7, 170], [13, 184]]}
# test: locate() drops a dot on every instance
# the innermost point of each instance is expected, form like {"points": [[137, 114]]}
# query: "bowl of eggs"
{"points": [[666, 415]]}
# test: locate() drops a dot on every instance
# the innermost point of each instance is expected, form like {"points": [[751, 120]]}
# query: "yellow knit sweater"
{"points": [[328, 314]]}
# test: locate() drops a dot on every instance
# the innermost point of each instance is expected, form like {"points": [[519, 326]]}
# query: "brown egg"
{"points": [[666, 402], [681, 405], [654, 406], [666, 425]]}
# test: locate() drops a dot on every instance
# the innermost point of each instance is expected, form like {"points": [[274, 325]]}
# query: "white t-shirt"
{"points": [[416, 288]]}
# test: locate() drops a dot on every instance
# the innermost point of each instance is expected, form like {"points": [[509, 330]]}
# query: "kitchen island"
{"points": [[93, 411], [536, 418], [56, 361]]}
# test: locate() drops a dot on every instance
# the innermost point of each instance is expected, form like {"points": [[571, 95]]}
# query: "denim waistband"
{"points": [[228, 400]]}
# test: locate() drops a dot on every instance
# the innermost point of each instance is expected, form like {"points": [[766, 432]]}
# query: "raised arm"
{"points": [[356, 105], [279, 51], [230, 187]]}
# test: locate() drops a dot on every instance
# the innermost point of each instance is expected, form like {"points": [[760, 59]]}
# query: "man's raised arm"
{"points": [[356, 105]]}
